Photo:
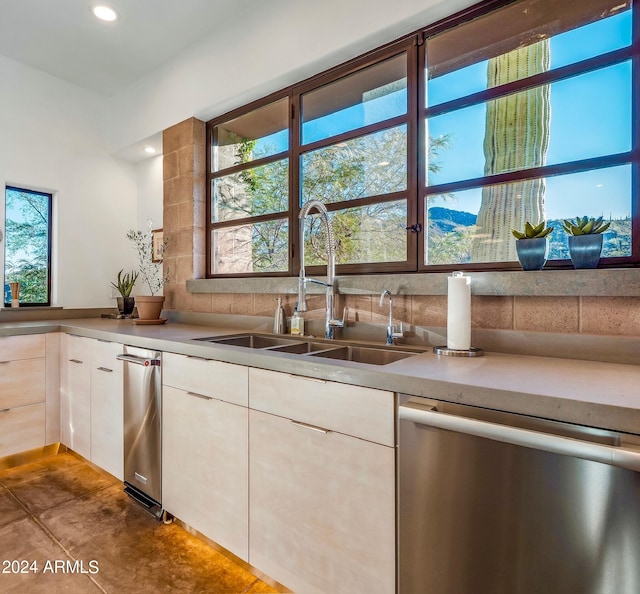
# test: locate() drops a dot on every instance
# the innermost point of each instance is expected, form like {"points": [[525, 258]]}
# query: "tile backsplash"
{"points": [[611, 316]]}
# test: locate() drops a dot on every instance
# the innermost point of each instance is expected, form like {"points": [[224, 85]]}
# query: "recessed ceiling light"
{"points": [[150, 150], [105, 13]]}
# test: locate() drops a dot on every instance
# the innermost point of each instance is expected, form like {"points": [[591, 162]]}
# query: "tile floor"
{"points": [[80, 533]]}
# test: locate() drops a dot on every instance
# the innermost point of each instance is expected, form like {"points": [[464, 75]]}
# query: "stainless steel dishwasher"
{"points": [[500, 503], [143, 427]]}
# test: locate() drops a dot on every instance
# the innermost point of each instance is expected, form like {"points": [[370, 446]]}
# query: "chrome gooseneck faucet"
{"points": [[392, 334], [331, 322]]}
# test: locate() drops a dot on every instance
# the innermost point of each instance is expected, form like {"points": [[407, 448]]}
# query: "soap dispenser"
{"points": [[297, 323], [278, 318]]}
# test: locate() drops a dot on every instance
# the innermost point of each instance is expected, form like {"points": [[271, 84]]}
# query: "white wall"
{"points": [[149, 192], [275, 44], [54, 137]]}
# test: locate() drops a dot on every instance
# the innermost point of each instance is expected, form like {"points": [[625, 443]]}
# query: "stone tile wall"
{"points": [[184, 216], [184, 165]]}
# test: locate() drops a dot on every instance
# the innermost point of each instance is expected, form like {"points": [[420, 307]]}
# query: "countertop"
{"points": [[596, 394]]}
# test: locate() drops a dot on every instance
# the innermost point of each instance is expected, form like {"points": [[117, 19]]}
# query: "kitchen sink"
{"points": [[252, 341], [371, 355]]}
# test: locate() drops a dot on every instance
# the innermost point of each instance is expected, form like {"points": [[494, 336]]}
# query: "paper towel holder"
{"points": [[470, 352]]}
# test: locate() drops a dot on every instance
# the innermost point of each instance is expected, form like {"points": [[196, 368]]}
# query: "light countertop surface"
{"points": [[597, 394]]}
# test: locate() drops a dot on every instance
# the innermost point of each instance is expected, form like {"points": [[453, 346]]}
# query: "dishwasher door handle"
{"points": [[138, 360], [566, 446]]}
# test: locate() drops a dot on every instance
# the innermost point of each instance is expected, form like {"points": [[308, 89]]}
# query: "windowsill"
{"points": [[32, 308], [606, 282]]}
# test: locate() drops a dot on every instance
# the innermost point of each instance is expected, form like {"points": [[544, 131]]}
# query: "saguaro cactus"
{"points": [[516, 137]]}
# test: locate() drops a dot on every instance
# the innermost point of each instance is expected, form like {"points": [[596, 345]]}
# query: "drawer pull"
{"points": [[310, 427], [4, 410], [105, 369], [1, 362], [198, 358], [199, 396], [103, 340], [308, 379], [75, 361]]}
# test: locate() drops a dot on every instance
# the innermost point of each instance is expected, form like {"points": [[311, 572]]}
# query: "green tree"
{"points": [[27, 243], [371, 165]]}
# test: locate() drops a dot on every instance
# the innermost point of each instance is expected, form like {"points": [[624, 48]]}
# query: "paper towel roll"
{"points": [[459, 312]]}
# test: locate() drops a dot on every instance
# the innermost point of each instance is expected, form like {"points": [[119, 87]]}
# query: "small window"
{"points": [[27, 247], [248, 202]]}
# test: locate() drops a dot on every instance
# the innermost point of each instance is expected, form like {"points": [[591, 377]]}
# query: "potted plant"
{"points": [[585, 240], [151, 274], [532, 245], [124, 286]]}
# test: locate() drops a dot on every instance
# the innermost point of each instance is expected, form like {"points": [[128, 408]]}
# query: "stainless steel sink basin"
{"points": [[330, 349], [252, 341], [372, 356], [301, 348]]}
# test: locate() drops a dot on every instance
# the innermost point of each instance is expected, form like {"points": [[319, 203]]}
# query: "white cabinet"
{"points": [[107, 422], [205, 448], [91, 401], [322, 502], [75, 395], [22, 393]]}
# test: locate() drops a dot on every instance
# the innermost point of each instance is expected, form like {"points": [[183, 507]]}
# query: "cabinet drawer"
{"points": [[22, 382], [22, 429], [223, 381], [104, 353], [78, 348], [29, 346], [352, 410]]}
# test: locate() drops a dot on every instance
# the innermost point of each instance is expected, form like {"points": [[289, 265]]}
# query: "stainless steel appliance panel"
{"points": [[478, 514], [142, 421]]}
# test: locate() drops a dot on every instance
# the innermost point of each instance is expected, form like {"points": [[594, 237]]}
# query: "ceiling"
{"points": [[64, 39]]}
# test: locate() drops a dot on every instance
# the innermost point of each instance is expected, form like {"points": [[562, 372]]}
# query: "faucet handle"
{"points": [[334, 323], [340, 323], [398, 333]]}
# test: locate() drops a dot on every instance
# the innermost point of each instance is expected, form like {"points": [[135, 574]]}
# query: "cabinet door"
{"points": [[322, 508], [205, 466], [75, 401], [107, 425], [53, 387]]}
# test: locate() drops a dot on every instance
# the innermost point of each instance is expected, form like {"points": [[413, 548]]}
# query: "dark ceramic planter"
{"points": [[532, 253], [585, 250], [125, 305]]}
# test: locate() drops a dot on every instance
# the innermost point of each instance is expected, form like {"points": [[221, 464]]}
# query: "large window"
{"points": [[428, 152], [27, 246]]}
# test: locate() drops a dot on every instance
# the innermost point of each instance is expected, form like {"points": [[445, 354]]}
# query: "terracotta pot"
{"points": [[149, 306]]}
